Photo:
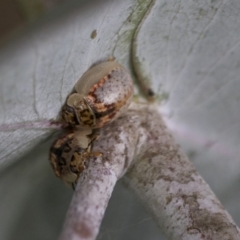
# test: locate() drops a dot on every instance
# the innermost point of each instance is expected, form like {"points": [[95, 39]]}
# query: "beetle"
{"points": [[101, 95], [70, 153]]}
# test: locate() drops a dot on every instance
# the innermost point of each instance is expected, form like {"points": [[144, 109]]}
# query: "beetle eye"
{"points": [[69, 115], [68, 110]]}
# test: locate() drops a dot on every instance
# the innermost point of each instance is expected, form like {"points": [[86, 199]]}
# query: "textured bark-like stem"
{"points": [[180, 200], [89, 202], [96, 184], [162, 176]]}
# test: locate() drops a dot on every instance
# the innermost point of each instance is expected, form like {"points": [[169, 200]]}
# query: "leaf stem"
{"points": [[162, 176], [42, 124]]}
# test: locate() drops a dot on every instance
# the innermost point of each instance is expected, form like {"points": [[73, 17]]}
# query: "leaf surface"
{"points": [[187, 51]]}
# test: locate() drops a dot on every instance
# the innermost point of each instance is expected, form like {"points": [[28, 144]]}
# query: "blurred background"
{"points": [[15, 14]]}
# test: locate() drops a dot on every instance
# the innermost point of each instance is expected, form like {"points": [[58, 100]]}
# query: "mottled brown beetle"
{"points": [[101, 95], [69, 154]]}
